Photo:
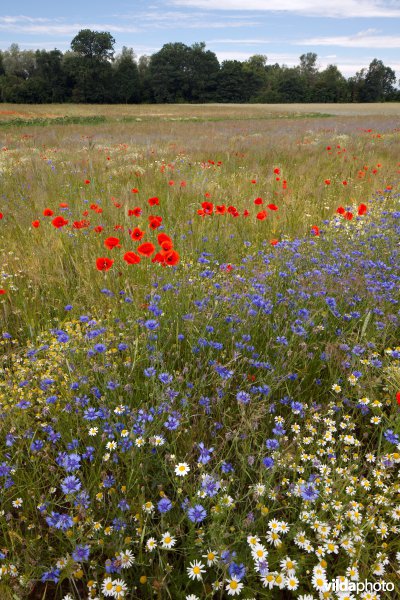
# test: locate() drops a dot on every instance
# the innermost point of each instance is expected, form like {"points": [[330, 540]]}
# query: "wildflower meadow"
{"points": [[200, 353]]}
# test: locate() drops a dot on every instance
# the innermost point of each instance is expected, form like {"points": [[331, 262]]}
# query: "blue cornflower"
{"points": [[272, 444], [243, 397], [71, 484], [165, 378], [391, 437], [197, 514], [237, 571], [205, 453], [308, 492], [100, 348], [268, 462], [164, 505], [72, 462], [151, 324], [81, 553]]}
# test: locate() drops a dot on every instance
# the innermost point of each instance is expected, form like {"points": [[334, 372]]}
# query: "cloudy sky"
{"points": [[348, 33]]}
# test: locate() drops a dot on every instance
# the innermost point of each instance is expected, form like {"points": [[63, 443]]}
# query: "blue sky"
{"points": [[348, 33]]}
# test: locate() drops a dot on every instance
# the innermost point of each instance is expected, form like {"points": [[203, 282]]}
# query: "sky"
{"points": [[347, 33]]}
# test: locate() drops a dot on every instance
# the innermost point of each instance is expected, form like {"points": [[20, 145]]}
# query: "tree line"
{"points": [[91, 73]]}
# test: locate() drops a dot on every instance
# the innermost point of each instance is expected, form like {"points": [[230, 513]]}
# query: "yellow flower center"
{"points": [[196, 570], [233, 585]]}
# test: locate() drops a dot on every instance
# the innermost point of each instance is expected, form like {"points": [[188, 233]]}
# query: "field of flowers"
{"points": [[200, 358]]}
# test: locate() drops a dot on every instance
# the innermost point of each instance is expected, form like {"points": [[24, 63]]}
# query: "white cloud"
{"points": [[360, 40], [341, 9], [246, 42], [43, 26]]}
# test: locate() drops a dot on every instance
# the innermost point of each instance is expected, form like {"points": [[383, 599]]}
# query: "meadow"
{"points": [[200, 351]]}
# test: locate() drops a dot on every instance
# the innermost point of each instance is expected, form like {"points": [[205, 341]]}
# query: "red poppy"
{"points": [[163, 237], [220, 210], [134, 212], [35, 224], [274, 242], [118, 227], [104, 263], [137, 234], [117, 204], [146, 249], [87, 181], [208, 207], [315, 230], [153, 201], [207, 194], [171, 258], [277, 171], [93, 207], [340, 210], [131, 258], [171, 182], [167, 245], [183, 183], [134, 191], [59, 222], [98, 229], [272, 207], [362, 209], [348, 216], [262, 215], [398, 398], [258, 201], [344, 182], [80, 224], [112, 242], [327, 182], [253, 181], [200, 211], [48, 212], [328, 148], [155, 218], [284, 184], [154, 223], [1, 216], [232, 210], [159, 257], [246, 213], [63, 205], [2, 292]]}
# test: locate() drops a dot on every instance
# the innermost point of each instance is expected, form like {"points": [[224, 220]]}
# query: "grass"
{"points": [[265, 361]]}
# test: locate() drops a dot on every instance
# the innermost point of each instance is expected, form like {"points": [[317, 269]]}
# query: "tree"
{"points": [[331, 86], [379, 82], [169, 73], [126, 83], [88, 66], [203, 68]]}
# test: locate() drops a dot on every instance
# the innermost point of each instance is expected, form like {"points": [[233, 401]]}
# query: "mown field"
{"points": [[200, 376]]}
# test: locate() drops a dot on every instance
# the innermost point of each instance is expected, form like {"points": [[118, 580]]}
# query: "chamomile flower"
{"points": [[211, 557], [182, 469], [167, 540], [292, 583], [233, 586], [151, 544], [107, 587], [196, 570], [127, 558], [17, 503], [120, 588]]}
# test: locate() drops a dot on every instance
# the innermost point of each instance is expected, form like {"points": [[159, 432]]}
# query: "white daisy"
{"points": [[182, 469], [233, 586], [195, 570]]}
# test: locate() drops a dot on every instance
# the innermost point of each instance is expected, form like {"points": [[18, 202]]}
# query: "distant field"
{"points": [[194, 111]]}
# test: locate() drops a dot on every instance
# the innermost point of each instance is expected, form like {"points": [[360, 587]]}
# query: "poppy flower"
{"points": [[232, 210], [2, 292], [246, 213], [154, 223], [340, 210], [63, 205], [208, 207], [146, 249], [131, 258], [274, 242], [344, 182], [277, 171], [134, 191], [48, 212], [134, 212], [253, 181], [98, 229], [35, 224], [220, 210], [258, 201], [117, 204], [1, 216], [207, 194], [328, 148], [87, 181], [155, 218], [159, 257], [93, 206], [59, 222], [183, 184], [118, 227], [171, 258], [163, 237], [284, 184], [362, 209], [272, 207], [137, 234], [348, 215], [153, 201], [104, 263], [167, 245], [398, 398], [85, 213], [171, 182], [315, 230], [112, 242], [80, 224], [327, 182], [200, 211], [262, 215]]}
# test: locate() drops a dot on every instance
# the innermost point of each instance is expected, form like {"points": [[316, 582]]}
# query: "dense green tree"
{"points": [[331, 86], [379, 82], [203, 68], [126, 84]]}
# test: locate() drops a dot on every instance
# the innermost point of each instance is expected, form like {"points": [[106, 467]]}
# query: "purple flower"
{"points": [[71, 484], [308, 492], [197, 514], [164, 505], [81, 553]]}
